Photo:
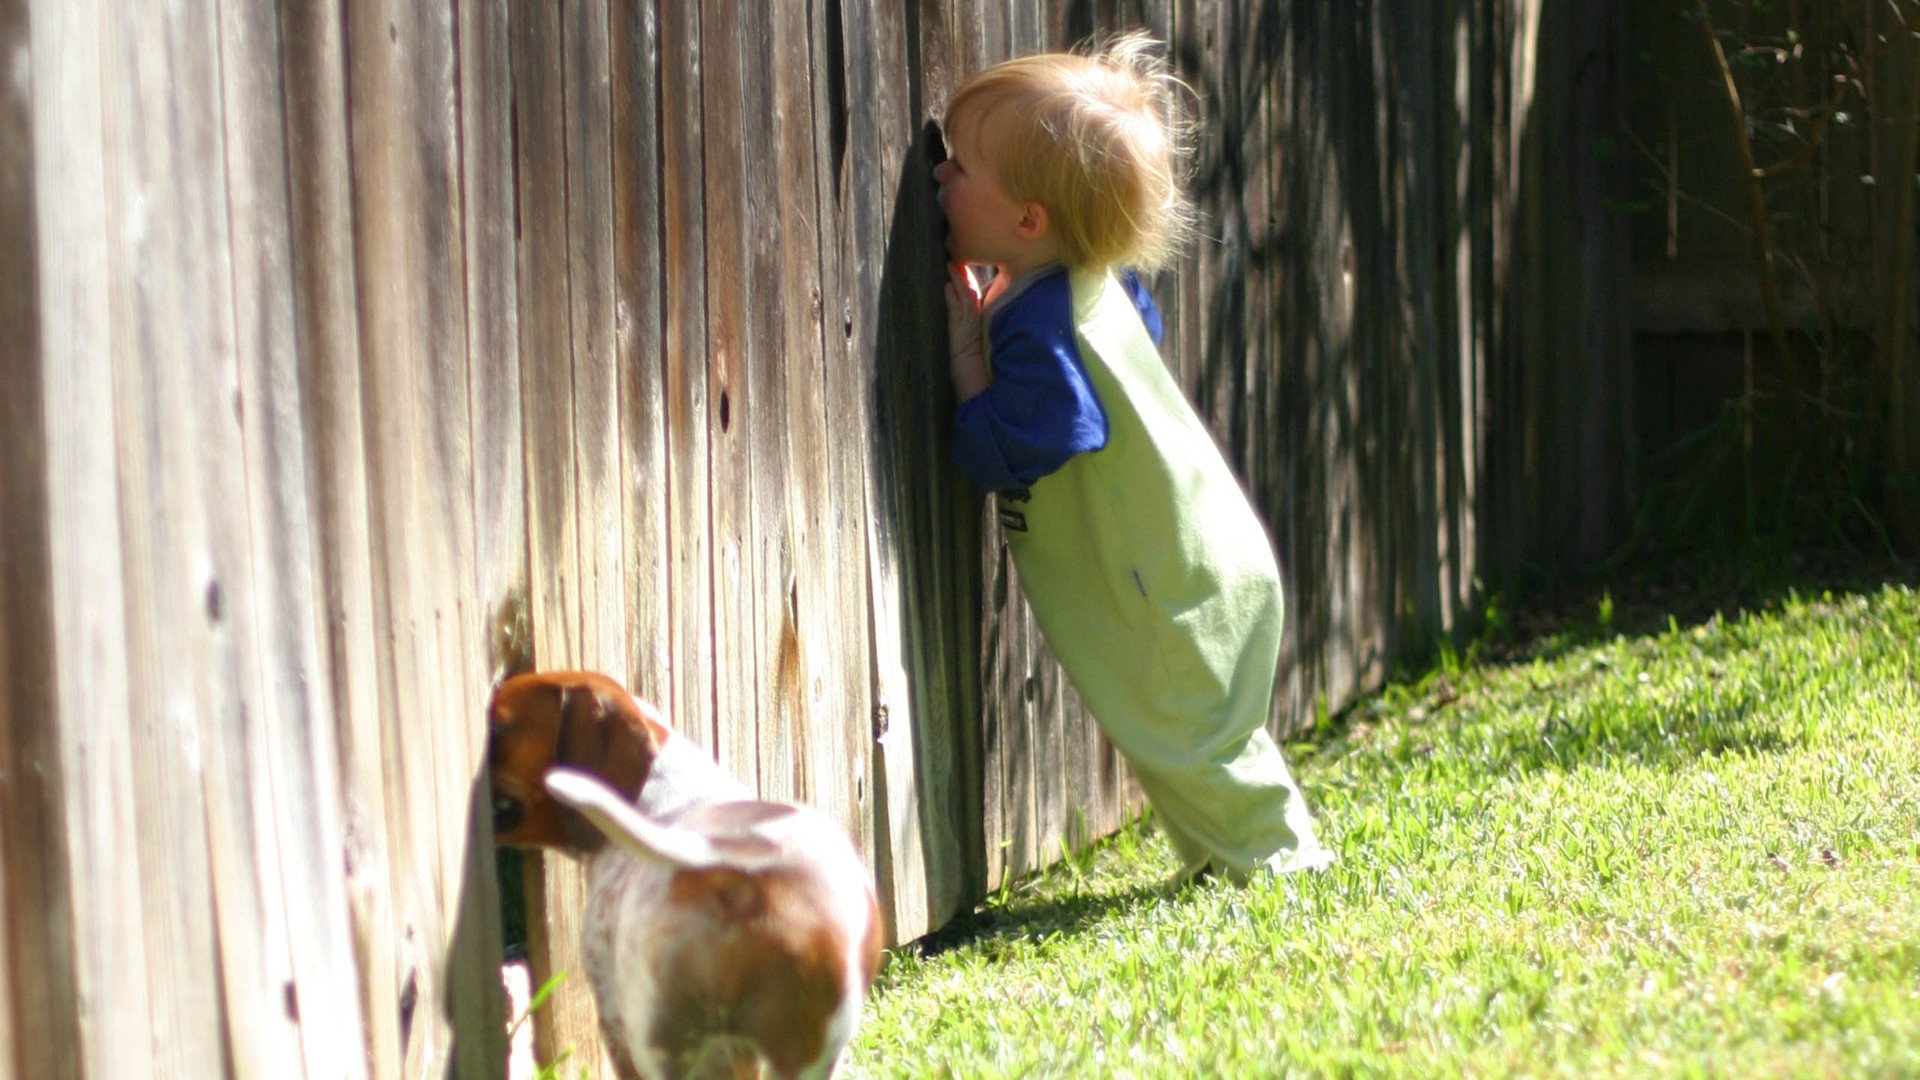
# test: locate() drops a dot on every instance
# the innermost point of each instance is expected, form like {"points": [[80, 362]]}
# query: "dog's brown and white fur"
{"points": [[714, 922]]}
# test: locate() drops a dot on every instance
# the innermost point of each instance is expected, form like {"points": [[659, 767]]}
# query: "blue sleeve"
{"points": [[1041, 409], [1143, 301]]}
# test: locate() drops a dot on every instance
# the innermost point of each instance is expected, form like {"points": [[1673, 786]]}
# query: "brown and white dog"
{"points": [[717, 926]]}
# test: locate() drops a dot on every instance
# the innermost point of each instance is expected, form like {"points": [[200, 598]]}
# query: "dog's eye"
{"points": [[507, 812]]}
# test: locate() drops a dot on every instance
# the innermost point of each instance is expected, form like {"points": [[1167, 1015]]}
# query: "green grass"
{"points": [[1693, 850]]}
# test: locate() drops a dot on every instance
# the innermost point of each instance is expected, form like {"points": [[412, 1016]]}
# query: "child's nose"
{"points": [[942, 171]]}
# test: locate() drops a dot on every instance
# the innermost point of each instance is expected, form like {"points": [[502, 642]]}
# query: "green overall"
{"points": [[1155, 584]]}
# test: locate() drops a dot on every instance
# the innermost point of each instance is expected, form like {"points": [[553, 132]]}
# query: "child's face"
{"points": [[983, 222]]}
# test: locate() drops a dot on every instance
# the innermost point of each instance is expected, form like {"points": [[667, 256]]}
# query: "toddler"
{"points": [[1145, 564]]}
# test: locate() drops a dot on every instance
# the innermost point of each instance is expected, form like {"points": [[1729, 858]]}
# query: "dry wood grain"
{"points": [[174, 408], [588, 79], [823, 756], [40, 1021], [327, 328], [288, 763], [550, 364], [732, 385], [640, 358], [684, 289], [498, 477], [847, 644], [876, 128], [431, 629]]}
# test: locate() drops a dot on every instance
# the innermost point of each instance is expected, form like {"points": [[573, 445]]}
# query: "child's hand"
{"points": [[966, 344], [964, 302]]}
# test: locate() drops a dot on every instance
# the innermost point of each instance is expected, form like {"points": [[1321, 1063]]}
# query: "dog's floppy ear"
{"points": [[604, 731], [580, 719]]}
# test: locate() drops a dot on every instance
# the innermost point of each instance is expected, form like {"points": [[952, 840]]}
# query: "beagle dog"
{"points": [[718, 929]]}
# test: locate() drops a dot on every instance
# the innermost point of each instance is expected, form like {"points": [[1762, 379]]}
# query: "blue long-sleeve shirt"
{"points": [[1040, 409]]}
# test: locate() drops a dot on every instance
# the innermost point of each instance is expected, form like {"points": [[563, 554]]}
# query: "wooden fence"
{"points": [[355, 353]]}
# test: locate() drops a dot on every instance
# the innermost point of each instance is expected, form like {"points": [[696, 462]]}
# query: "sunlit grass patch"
{"points": [[1693, 850]]}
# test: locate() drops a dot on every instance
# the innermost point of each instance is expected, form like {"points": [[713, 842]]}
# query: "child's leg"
{"points": [[1242, 813]]}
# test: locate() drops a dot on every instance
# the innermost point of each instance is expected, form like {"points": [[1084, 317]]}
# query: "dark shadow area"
{"points": [[1685, 589], [1567, 741], [1039, 919], [928, 516], [474, 997], [1322, 333], [1647, 600]]}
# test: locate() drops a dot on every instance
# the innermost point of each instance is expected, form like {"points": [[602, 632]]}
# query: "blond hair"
{"points": [[1096, 138]]}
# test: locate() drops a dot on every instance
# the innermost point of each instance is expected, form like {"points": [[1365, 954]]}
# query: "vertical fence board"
{"points": [[46, 936], [731, 386], [596, 384], [75, 941], [769, 540], [552, 451], [941, 592], [27, 662], [490, 199], [850, 697], [815, 732], [546, 344], [684, 274], [874, 43], [640, 359], [327, 327], [1049, 781], [497, 483], [166, 239], [409, 270], [290, 756]]}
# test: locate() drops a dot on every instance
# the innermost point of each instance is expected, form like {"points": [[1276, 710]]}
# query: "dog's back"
{"points": [[719, 930], [769, 941]]}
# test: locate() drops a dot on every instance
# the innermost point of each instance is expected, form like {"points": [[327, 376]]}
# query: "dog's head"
{"points": [[579, 719]]}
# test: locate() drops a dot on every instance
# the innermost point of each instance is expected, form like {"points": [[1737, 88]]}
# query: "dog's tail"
{"points": [[655, 841]]}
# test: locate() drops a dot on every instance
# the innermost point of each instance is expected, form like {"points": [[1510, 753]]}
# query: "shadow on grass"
{"points": [[1686, 591], [1039, 918], [1578, 730], [1597, 736]]}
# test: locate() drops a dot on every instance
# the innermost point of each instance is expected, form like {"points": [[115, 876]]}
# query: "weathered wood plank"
{"points": [[846, 647], [914, 401], [588, 79], [1052, 775], [874, 55], [327, 328], [39, 979], [74, 942], [409, 260], [1020, 844], [776, 506], [549, 366], [174, 402], [640, 358], [774, 629], [546, 339], [1000, 675], [289, 773], [489, 183], [497, 482], [731, 387], [684, 284], [812, 719]]}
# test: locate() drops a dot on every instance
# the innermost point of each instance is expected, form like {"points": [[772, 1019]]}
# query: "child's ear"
{"points": [[1033, 221]]}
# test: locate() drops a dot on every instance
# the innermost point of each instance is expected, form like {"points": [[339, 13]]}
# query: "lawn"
{"points": [[1628, 846]]}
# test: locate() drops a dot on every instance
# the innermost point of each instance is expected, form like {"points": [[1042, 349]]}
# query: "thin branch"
{"points": [[1756, 199], [1814, 133]]}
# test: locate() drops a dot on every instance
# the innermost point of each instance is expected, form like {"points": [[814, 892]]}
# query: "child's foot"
{"points": [[1191, 876]]}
